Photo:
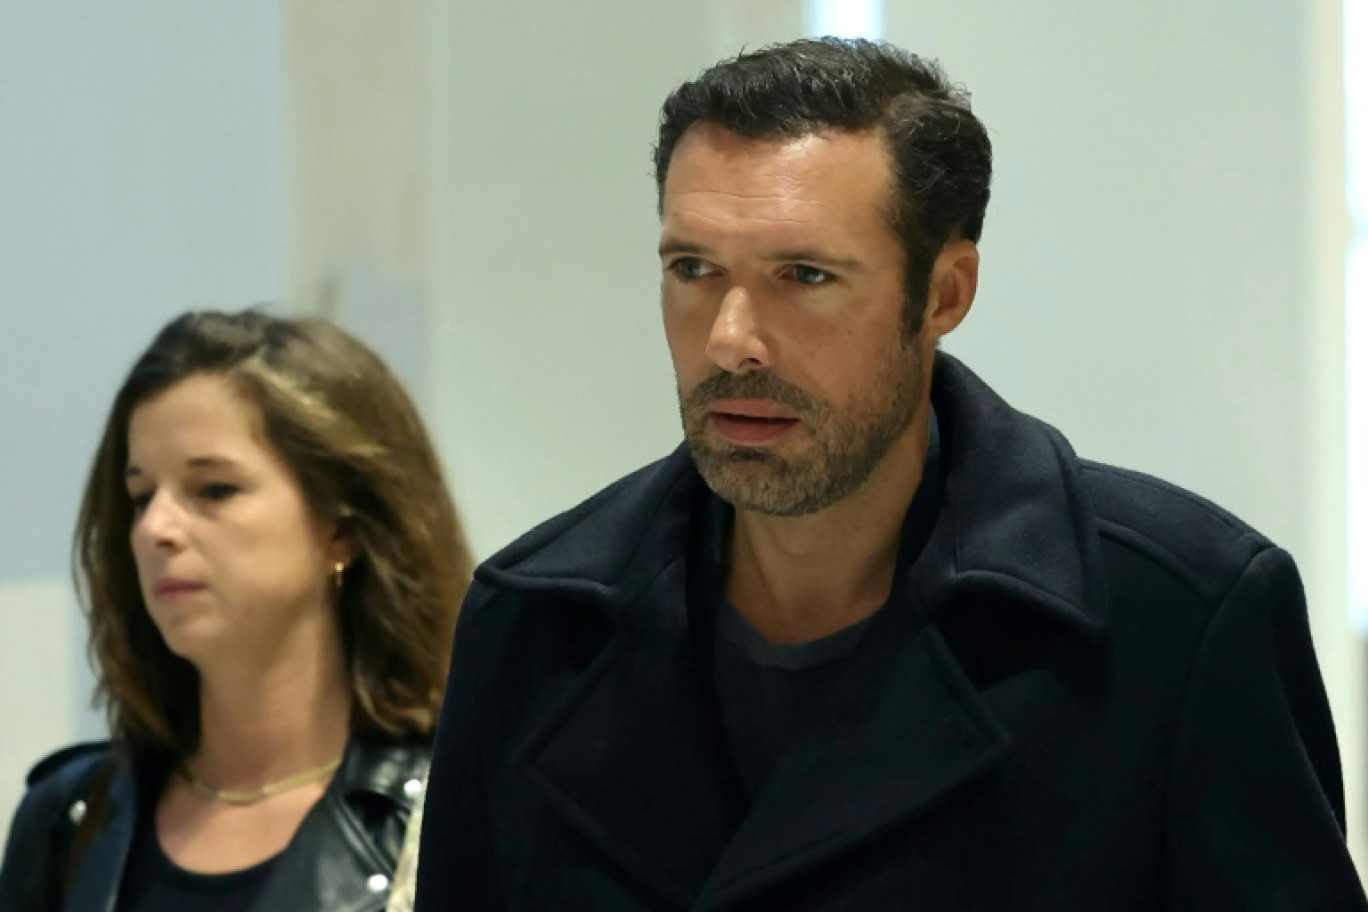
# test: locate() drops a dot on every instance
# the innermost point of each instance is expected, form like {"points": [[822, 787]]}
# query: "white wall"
{"points": [[140, 175], [1143, 266], [551, 376]]}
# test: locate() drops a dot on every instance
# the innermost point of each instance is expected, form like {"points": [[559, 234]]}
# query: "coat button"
{"points": [[413, 788], [77, 812], [378, 883]]}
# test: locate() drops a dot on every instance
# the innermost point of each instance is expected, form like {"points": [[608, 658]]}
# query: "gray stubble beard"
{"points": [[845, 448]]}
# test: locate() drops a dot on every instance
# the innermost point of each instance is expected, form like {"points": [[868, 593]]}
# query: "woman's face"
{"points": [[229, 555]]}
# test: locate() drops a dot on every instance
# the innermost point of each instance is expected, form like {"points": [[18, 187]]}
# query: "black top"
{"points": [[154, 883], [774, 695]]}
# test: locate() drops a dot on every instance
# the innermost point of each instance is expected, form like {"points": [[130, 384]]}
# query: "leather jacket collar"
{"points": [[341, 858]]}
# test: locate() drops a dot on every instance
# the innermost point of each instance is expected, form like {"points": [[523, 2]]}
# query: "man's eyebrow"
{"points": [[805, 255], [670, 246]]}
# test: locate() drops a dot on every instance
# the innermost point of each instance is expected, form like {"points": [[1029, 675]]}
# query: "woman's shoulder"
{"points": [[53, 806], [67, 766], [58, 783]]}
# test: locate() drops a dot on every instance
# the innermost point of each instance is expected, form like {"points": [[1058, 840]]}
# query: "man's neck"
{"points": [[797, 579]]}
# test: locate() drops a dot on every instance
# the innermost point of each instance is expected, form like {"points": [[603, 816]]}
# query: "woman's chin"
{"points": [[196, 640]]}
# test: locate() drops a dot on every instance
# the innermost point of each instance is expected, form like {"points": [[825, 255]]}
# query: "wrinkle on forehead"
{"points": [[786, 159], [720, 210], [720, 179], [723, 143], [748, 184]]}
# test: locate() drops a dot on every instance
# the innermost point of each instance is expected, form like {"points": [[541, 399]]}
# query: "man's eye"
{"points": [[690, 268], [810, 275], [218, 491]]}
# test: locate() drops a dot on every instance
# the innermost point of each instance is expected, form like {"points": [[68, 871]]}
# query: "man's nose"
{"points": [[736, 343]]}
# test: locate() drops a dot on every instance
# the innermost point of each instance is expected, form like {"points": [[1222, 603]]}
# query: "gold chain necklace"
{"points": [[242, 798]]}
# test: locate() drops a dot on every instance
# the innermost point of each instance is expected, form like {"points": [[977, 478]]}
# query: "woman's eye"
{"points": [[690, 268], [218, 491], [810, 275], [139, 502]]}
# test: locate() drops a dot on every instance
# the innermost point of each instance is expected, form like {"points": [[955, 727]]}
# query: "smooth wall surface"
{"points": [[140, 175], [1144, 281]]}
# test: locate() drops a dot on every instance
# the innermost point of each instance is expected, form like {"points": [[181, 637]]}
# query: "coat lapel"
{"points": [[355, 861], [634, 758], [636, 762]]}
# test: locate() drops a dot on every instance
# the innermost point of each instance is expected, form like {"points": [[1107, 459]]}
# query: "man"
{"points": [[872, 639]]}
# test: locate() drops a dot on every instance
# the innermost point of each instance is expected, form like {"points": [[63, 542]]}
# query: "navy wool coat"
{"points": [[1110, 702]]}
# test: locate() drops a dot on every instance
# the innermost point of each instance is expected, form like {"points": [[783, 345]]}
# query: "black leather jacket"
{"points": [[340, 860]]}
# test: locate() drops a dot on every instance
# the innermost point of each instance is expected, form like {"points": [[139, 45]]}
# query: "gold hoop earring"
{"points": [[338, 569]]}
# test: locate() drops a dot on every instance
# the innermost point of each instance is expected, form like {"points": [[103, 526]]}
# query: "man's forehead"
{"points": [[823, 177], [727, 142], [716, 146], [689, 217]]}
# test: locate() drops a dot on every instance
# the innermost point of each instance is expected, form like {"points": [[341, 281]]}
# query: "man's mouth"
{"points": [[750, 423]]}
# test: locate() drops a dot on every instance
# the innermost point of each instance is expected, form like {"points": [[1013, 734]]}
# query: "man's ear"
{"points": [[950, 294]]}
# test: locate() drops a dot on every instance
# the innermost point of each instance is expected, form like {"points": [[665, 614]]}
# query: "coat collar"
{"points": [[383, 768], [634, 757], [636, 762], [1014, 521], [332, 859]]}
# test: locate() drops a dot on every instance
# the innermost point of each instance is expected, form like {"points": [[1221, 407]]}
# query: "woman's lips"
{"points": [[170, 588]]}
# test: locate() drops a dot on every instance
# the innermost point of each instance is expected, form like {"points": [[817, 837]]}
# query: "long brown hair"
{"points": [[352, 436]]}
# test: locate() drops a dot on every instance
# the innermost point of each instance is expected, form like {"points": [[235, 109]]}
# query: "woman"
{"points": [[271, 567]]}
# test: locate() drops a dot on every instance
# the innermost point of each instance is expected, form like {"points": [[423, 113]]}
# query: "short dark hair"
{"points": [[334, 412], [940, 152]]}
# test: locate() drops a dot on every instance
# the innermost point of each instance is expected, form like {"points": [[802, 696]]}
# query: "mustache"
{"points": [[757, 385]]}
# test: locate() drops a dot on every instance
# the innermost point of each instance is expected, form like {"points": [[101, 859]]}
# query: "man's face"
{"points": [[782, 296]]}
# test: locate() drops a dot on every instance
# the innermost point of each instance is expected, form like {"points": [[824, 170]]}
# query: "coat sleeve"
{"points": [[38, 847], [1255, 804], [28, 875], [455, 858]]}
